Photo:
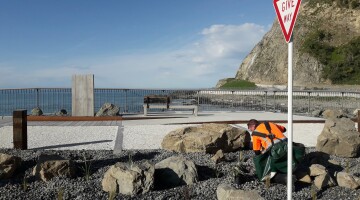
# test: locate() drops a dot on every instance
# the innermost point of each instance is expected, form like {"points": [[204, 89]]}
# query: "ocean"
{"points": [[52, 100]]}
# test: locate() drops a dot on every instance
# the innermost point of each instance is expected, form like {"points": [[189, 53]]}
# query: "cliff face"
{"points": [[267, 62]]}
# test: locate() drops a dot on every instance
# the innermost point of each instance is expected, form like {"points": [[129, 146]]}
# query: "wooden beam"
{"points": [[246, 121], [88, 118]]}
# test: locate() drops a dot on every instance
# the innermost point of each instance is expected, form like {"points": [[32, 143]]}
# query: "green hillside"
{"points": [[238, 84], [341, 63]]}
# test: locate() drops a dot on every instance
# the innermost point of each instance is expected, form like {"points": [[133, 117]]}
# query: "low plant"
{"points": [[130, 160], [240, 164], [313, 192], [86, 168], [267, 182], [241, 157], [217, 171], [25, 184], [60, 194], [112, 195], [236, 171], [240, 168], [347, 166], [186, 191]]}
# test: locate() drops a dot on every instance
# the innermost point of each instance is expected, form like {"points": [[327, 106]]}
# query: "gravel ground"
{"points": [[210, 175]]}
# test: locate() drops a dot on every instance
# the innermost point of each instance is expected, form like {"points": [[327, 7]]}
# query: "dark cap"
{"points": [[253, 122]]}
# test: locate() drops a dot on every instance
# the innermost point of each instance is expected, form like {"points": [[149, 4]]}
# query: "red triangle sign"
{"points": [[286, 11]]}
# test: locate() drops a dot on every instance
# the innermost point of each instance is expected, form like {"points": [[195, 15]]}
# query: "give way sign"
{"points": [[286, 11]]}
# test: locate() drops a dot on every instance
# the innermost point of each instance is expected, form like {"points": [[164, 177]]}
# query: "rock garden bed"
{"points": [[90, 167]]}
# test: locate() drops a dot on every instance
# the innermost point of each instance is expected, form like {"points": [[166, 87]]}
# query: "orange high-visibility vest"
{"points": [[263, 143]]}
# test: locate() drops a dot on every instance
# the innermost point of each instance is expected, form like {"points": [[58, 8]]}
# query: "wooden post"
{"points": [[20, 129]]}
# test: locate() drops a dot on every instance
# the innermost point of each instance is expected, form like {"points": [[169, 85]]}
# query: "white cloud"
{"points": [[229, 41], [216, 55]]}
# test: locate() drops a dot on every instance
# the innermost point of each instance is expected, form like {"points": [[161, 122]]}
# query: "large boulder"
{"points": [[302, 176], [330, 113], [219, 156], [207, 138], [324, 181], [317, 113], [339, 137], [8, 165], [316, 170], [50, 166], [36, 111], [346, 180], [175, 171], [129, 179], [227, 192], [108, 109]]}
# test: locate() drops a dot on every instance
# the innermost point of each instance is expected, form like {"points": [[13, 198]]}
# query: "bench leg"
{"points": [[145, 111], [195, 111]]}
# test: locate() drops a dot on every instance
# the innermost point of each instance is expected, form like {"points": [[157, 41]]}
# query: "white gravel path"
{"points": [[89, 137], [134, 136], [146, 136], [64, 137], [143, 134]]}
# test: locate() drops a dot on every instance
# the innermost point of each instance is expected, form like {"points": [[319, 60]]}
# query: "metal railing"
{"points": [[51, 100]]}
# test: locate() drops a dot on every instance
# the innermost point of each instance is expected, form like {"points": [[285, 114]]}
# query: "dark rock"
{"points": [[61, 112], [8, 165], [175, 171]]}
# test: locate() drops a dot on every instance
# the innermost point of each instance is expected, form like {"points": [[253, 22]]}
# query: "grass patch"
{"points": [[87, 168], [237, 83]]}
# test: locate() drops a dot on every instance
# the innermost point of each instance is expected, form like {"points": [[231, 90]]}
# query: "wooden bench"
{"points": [[164, 102]]}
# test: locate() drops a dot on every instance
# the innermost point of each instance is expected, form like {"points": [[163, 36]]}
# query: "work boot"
{"points": [[282, 178]]}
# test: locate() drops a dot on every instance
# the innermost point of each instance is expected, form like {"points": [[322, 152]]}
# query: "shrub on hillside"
{"points": [[341, 63]]}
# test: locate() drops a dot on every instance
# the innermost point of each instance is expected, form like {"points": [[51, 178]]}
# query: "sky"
{"points": [[128, 43]]}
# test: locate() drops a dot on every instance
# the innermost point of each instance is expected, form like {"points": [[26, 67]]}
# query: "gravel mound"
{"points": [[24, 185]]}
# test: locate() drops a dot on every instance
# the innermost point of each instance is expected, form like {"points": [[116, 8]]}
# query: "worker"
{"points": [[270, 148], [274, 133]]}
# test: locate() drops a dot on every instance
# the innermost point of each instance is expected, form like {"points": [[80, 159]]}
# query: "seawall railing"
{"points": [[51, 100]]}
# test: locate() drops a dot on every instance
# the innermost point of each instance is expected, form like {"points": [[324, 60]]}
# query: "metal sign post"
{"points": [[286, 11], [290, 121]]}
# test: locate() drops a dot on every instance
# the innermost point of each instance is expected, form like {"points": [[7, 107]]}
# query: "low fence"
{"points": [[51, 100]]}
